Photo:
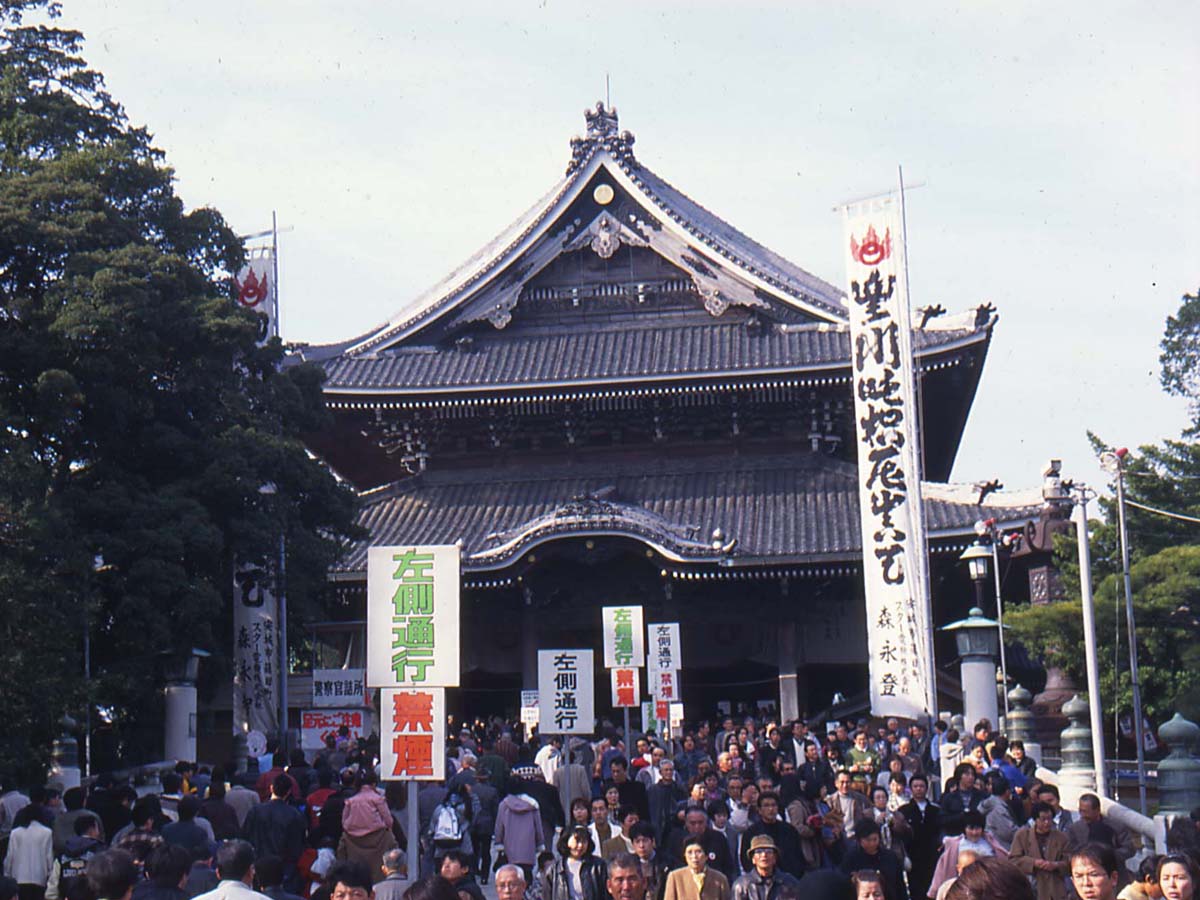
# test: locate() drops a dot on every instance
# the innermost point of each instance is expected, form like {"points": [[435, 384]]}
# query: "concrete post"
{"points": [[179, 722], [1078, 770], [978, 674], [1179, 773]]}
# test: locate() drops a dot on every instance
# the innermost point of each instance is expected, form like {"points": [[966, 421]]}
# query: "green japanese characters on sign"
{"points": [[412, 616]]}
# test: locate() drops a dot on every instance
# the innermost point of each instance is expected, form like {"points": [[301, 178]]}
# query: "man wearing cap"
{"points": [[765, 881]]}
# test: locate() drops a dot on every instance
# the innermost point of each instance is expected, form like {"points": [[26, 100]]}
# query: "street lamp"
{"points": [[1114, 463], [978, 557]]}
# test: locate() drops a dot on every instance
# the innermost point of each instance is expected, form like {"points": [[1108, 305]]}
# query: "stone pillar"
{"points": [[65, 771], [978, 672], [789, 688], [1078, 772], [1021, 724], [179, 722], [1179, 773], [529, 641]]}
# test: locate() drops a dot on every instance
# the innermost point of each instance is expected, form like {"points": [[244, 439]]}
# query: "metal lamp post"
{"points": [[978, 558], [976, 637], [1114, 463]]}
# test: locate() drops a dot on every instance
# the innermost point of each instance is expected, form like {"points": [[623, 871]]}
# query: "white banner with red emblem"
{"points": [[257, 291], [895, 556]]}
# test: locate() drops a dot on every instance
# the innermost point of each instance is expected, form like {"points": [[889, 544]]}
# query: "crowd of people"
{"points": [[735, 810]]}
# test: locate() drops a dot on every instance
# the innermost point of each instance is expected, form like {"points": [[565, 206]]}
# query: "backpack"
{"points": [[447, 826]]}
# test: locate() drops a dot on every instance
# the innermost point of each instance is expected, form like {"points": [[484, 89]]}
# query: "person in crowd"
{"points": [[185, 832], [349, 880], [663, 798], [265, 786], [696, 881], [869, 853], [576, 874], [997, 811], [457, 869], [1092, 828], [632, 792], [1040, 851], [111, 875], [1026, 765], [784, 836], [852, 805], [622, 841], [868, 885], [393, 884], [601, 826], [167, 869], [64, 825], [925, 825], [960, 799], [220, 814], [366, 825], [990, 879], [654, 867], [235, 868], [202, 876], [1145, 886], [963, 859], [625, 879], [974, 839], [1095, 872], [1178, 876], [275, 828], [764, 880], [813, 769], [519, 833], [434, 887], [695, 824], [485, 800], [72, 861], [863, 762], [30, 856], [1048, 794], [268, 878]]}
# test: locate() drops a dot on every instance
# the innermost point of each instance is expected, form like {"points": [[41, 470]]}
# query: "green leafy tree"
{"points": [[140, 419], [1165, 560]]}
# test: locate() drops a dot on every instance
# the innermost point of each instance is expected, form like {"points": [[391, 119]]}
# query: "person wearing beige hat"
{"points": [[765, 881]]}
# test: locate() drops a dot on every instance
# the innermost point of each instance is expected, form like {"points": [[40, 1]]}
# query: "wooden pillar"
{"points": [[789, 688], [529, 641]]}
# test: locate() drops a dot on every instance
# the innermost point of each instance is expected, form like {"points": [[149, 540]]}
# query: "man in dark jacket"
{"points": [[869, 854], [958, 801], [925, 818], [456, 869], [632, 791], [268, 878], [72, 861], [276, 828], [695, 823], [486, 800], [186, 833], [785, 837], [663, 798], [765, 881]]}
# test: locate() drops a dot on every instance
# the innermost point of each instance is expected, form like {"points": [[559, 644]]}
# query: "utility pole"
{"points": [[1092, 664]]}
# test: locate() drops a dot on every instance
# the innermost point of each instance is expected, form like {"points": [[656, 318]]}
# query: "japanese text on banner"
{"points": [[412, 616], [895, 562], [414, 732], [566, 691]]}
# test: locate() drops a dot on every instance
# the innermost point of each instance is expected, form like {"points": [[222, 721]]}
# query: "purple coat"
{"points": [[519, 829]]}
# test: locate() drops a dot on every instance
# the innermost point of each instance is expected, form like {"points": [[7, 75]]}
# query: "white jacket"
{"points": [[30, 854]]}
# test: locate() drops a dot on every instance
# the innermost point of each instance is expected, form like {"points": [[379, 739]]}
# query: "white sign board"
{"points": [[663, 649], [412, 734], [529, 708], [413, 616], [664, 685], [895, 555], [623, 636], [676, 716], [567, 694], [318, 724], [338, 687], [626, 686]]}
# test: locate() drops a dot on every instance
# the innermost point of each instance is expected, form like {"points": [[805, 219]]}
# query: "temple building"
{"points": [[625, 399]]}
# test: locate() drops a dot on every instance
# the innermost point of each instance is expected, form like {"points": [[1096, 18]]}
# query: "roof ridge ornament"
{"points": [[602, 131]]}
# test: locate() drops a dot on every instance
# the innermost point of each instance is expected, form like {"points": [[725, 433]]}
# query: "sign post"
{"points": [[623, 648], [664, 656], [413, 656]]}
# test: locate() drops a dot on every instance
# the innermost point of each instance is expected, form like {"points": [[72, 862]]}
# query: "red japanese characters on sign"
{"points": [[626, 686], [413, 723]]}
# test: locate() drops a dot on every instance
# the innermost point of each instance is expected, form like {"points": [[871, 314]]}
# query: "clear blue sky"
{"points": [[1059, 146]]}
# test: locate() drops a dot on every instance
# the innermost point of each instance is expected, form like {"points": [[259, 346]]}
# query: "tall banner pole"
{"points": [[895, 553]]}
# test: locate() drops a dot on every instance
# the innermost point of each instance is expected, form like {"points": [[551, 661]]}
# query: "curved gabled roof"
{"points": [[686, 228]]}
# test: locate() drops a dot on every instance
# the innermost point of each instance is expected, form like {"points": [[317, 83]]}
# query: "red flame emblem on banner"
{"points": [[872, 251], [252, 291]]}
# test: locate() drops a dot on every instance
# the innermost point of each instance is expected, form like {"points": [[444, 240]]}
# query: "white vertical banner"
{"points": [[255, 650], [895, 556], [623, 636], [257, 291], [663, 650], [626, 686], [412, 734], [664, 685], [566, 692], [413, 616]]}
